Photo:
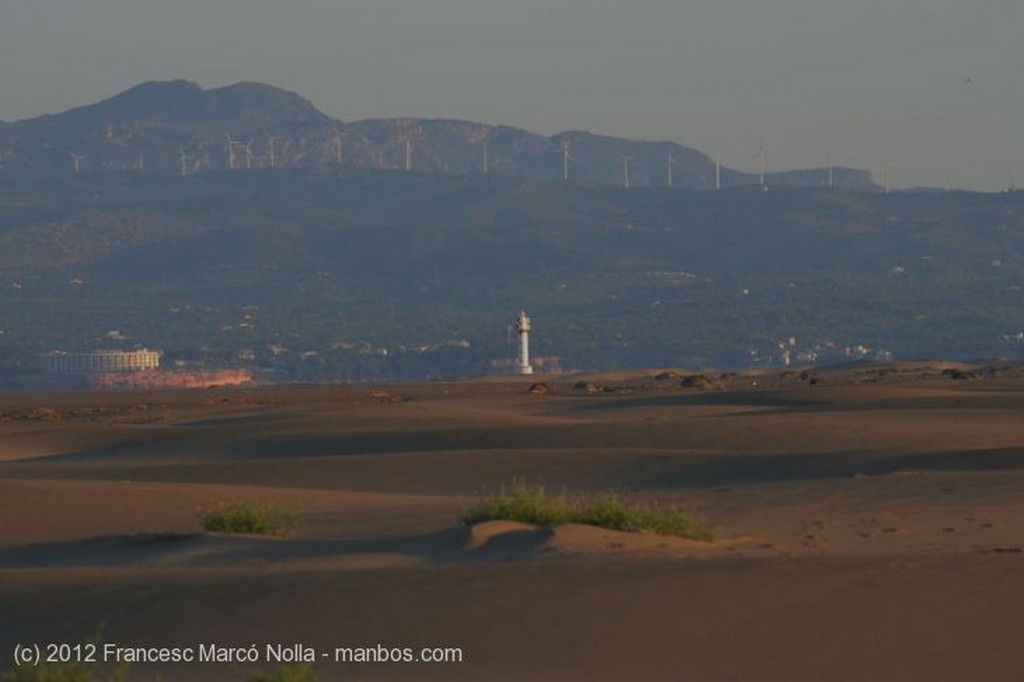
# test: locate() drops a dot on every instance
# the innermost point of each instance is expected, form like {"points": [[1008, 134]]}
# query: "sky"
{"points": [[925, 92]]}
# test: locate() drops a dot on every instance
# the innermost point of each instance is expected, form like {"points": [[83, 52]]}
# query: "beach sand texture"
{"points": [[871, 526]]}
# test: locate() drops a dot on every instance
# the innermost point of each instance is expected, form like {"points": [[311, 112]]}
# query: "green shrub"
{"points": [[246, 518], [526, 503]]}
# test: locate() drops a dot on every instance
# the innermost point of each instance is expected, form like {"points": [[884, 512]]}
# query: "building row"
{"points": [[102, 361]]}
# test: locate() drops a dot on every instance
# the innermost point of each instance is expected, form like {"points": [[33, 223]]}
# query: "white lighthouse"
{"points": [[523, 327]]}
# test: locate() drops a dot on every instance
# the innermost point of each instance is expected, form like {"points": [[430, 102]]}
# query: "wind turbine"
{"points": [[184, 161], [231, 151], [338, 135], [625, 169], [77, 159], [566, 156], [718, 172], [831, 172], [485, 156], [248, 154], [270, 146], [671, 162], [408, 155]]}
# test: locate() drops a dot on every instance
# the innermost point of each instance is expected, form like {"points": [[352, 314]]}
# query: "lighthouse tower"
{"points": [[523, 327]]}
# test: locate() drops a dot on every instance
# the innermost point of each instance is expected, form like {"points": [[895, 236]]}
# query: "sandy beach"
{"points": [[870, 526]]}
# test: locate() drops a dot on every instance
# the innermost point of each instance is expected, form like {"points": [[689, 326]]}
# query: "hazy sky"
{"points": [[933, 87]]}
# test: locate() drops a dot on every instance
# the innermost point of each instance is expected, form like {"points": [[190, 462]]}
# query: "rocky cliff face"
{"points": [[177, 127]]}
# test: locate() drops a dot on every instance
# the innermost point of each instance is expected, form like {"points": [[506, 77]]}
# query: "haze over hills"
{"points": [[177, 126]]}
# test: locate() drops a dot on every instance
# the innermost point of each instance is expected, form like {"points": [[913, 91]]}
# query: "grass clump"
{"points": [[246, 518], [287, 673], [526, 503]]}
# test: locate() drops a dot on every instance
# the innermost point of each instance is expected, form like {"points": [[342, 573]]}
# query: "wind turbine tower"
{"points": [[718, 172], [77, 160], [671, 162], [565, 162], [337, 145], [270, 145], [625, 169], [831, 173], [248, 154], [231, 152], [523, 327], [184, 162], [485, 157], [408, 155]]}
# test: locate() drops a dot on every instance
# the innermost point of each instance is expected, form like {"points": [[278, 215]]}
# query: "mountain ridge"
{"points": [[177, 126]]}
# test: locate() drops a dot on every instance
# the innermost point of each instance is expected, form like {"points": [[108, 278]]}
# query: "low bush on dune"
{"points": [[520, 501], [524, 503], [246, 518]]}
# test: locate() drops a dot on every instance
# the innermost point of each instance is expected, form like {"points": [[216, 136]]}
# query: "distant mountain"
{"points": [[177, 127]]}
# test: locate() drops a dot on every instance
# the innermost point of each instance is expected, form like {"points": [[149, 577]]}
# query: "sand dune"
{"points": [[871, 526]]}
